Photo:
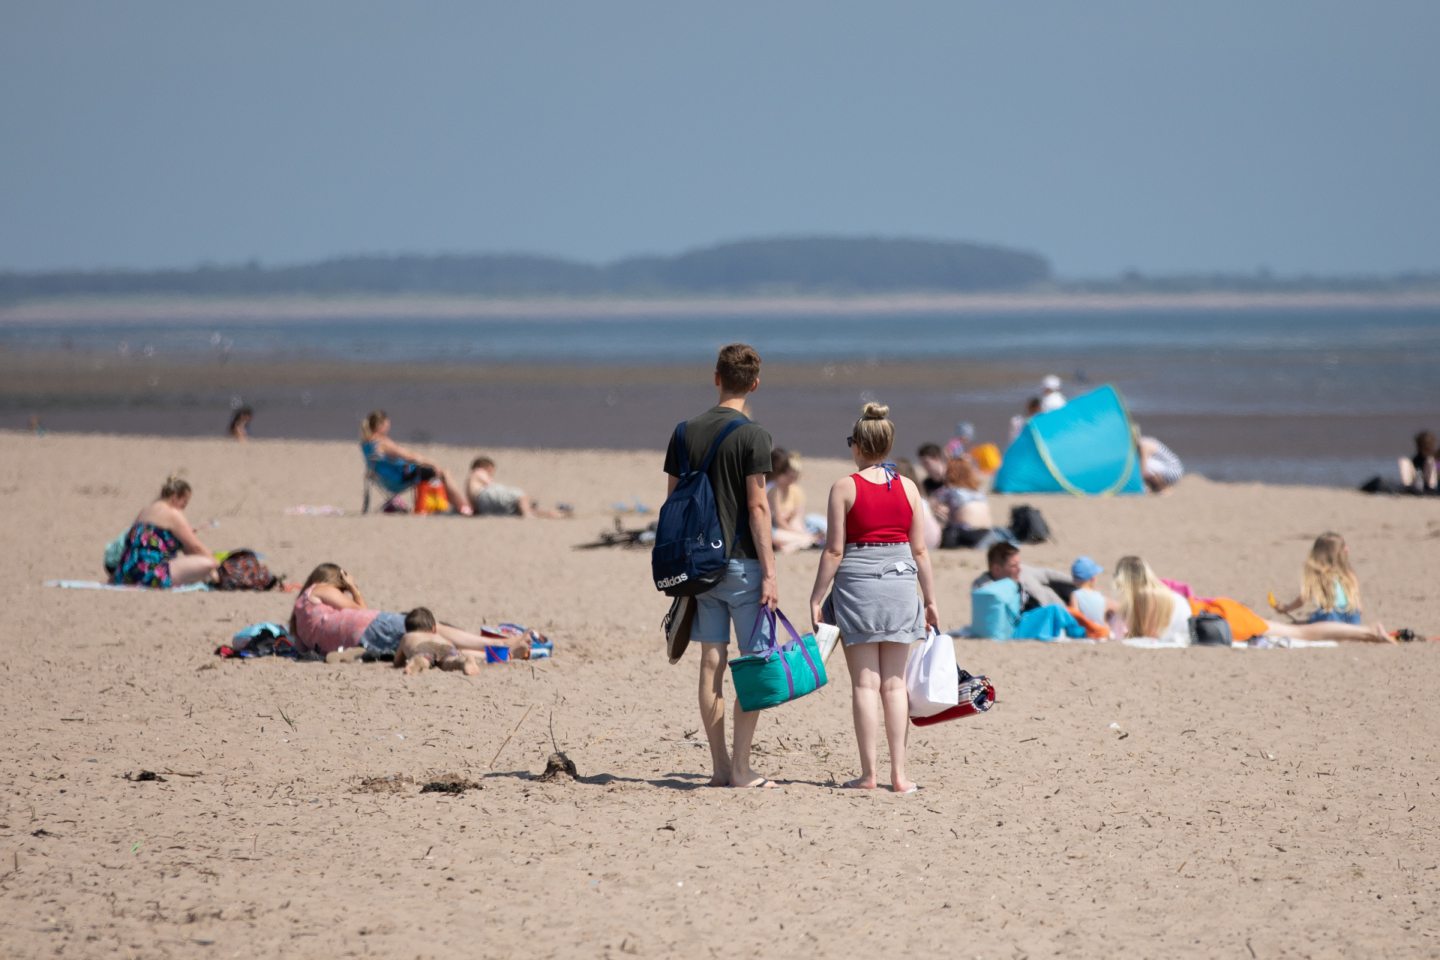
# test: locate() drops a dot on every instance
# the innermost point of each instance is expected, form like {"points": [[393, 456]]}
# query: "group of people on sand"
{"points": [[1014, 600], [330, 618], [399, 469], [874, 580]]}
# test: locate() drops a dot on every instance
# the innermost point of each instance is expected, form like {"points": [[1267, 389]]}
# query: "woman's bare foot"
{"points": [[345, 655], [471, 667], [755, 783], [859, 783], [1381, 635]]}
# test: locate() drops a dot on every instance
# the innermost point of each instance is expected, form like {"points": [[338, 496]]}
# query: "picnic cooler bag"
{"points": [[977, 694], [780, 674]]}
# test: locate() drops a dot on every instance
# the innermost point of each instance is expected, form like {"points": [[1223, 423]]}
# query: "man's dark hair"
{"points": [[420, 620], [999, 553], [929, 450], [738, 366]]}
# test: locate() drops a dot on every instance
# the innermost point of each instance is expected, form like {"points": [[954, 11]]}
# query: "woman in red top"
{"points": [[874, 555]]}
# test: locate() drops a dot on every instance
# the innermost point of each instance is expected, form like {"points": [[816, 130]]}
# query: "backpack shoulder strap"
{"points": [[725, 431]]}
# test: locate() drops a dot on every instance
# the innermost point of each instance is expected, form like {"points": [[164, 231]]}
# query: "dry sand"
{"points": [[1249, 804]]}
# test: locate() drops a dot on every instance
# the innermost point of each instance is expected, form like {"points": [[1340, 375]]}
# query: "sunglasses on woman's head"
{"points": [[849, 441]]}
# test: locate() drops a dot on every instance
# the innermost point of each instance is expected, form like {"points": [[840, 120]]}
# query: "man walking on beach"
{"points": [[738, 478]]}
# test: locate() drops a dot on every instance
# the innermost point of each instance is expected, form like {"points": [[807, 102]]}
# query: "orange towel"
{"points": [[1244, 622], [1093, 630]]}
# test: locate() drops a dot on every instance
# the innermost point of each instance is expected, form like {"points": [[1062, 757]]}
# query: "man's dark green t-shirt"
{"points": [[744, 453]]}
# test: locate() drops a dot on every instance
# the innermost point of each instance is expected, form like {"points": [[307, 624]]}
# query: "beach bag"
{"points": [[930, 675], [689, 555], [976, 695], [995, 608], [243, 570], [1027, 525], [1209, 630], [430, 497], [780, 674]]}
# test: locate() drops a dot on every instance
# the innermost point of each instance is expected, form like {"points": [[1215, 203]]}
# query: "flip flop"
{"points": [[914, 788], [765, 784]]}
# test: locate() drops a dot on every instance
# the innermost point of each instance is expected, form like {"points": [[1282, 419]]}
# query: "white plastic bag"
{"points": [[932, 677]]}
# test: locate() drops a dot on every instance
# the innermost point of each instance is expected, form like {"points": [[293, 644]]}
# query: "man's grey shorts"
{"points": [[734, 600]]}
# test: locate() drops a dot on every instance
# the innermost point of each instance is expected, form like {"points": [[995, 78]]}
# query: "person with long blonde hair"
{"points": [[1328, 581], [397, 468], [1152, 609]]}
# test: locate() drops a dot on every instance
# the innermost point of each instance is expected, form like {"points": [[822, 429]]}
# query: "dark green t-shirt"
{"points": [[744, 453]]}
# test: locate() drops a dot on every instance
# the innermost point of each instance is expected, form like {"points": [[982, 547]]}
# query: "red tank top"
{"points": [[879, 515]]}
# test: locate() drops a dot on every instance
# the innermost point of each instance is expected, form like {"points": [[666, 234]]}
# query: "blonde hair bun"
{"points": [[875, 411]]}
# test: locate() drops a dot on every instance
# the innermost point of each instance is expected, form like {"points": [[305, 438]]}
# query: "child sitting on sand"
{"points": [[1328, 582], [1088, 600], [490, 499], [422, 648]]}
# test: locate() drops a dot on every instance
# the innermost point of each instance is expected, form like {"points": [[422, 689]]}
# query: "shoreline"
{"points": [[183, 309], [578, 406]]}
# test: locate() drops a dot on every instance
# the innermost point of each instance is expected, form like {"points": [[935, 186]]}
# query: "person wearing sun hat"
{"points": [[1091, 603]]}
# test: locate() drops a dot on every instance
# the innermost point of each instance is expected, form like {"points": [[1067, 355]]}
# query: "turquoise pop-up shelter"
{"points": [[1085, 448]]}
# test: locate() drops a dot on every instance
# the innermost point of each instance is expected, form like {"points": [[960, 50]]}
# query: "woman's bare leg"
{"points": [[192, 569], [897, 709], [1327, 630], [863, 659], [456, 494], [464, 640]]}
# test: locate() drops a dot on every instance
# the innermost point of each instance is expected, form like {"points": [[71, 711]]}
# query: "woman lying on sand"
{"points": [[330, 616], [1151, 609], [161, 549]]}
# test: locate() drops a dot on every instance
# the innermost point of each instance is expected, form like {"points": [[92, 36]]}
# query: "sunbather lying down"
{"points": [[422, 648]]}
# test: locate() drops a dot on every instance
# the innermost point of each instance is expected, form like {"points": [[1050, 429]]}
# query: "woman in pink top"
{"points": [[330, 615]]}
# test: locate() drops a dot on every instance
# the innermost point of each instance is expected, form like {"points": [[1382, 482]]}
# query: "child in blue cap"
{"points": [[1093, 605]]}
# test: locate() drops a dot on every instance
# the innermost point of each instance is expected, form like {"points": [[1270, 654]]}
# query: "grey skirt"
{"points": [[874, 599]]}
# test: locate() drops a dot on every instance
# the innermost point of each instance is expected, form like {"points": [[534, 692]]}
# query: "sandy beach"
{"points": [[1116, 802]]}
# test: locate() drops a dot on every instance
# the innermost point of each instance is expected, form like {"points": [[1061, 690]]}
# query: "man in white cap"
{"points": [[1051, 398]]}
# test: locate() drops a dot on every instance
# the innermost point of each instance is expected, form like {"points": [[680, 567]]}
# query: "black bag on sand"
{"points": [[243, 570], [1209, 630], [1027, 525]]}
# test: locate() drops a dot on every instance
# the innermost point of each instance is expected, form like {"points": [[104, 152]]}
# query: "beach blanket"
{"points": [[314, 510], [1254, 643], [128, 587]]}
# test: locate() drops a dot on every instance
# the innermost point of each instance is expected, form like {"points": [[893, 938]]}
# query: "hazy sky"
{"points": [[1165, 136]]}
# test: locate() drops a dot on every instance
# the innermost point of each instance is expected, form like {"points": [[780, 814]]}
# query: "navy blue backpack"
{"points": [[689, 554]]}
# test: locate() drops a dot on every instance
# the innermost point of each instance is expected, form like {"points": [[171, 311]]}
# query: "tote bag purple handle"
{"points": [[766, 615]]}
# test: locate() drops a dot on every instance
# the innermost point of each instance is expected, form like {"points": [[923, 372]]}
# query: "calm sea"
{"points": [[1294, 395]]}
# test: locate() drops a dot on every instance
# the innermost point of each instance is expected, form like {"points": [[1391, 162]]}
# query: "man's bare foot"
{"points": [[471, 668], [859, 783], [418, 663], [719, 780]]}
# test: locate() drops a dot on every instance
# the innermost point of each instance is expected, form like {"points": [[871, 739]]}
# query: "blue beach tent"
{"points": [[1085, 448]]}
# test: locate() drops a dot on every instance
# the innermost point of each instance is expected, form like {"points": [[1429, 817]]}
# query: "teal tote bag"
{"points": [[783, 672]]}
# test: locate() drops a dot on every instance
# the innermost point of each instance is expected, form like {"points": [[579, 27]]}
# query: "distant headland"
{"points": [[776, 275]]}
